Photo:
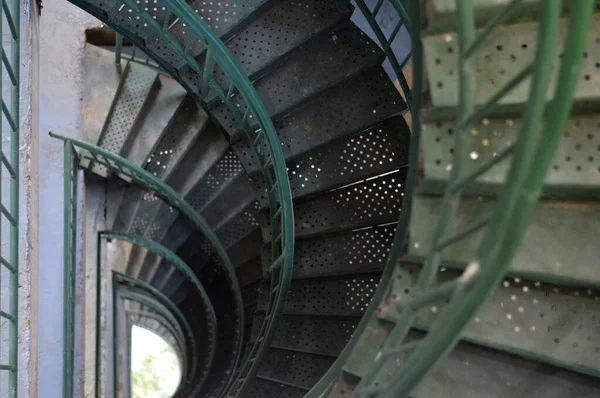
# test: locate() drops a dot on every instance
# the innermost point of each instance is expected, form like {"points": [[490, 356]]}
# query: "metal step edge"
{"points": [[500, 60], [549, 252], [237, 135], [574, 175], [165, 105]]}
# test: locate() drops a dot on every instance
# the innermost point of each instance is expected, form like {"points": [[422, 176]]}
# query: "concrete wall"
{"points": [[61, 58]]}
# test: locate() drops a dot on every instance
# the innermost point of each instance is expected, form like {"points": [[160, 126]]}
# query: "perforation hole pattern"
{"points": [[134, 22], [325, 336], [164, 217], [221, 174], [314, 68], [331, 116], [135, 90], [281, 28], [175, 142], [261, 388], [552, 323], [362, 251], [577, 160], [294, 367], [145, 213], [347, 296], [499, 60], [241, 225]]}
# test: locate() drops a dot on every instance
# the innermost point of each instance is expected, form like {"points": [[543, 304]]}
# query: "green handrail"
{"points": [[124, 168], [10, 67], [263, 140], [70, 258], [179, 264], [414, 100], [513, 209]]}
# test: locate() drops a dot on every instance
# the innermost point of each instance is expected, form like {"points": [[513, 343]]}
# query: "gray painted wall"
{"points": [[61, 66]]}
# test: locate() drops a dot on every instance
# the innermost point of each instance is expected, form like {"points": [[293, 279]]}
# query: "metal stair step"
{"points": [[204, 153], [298, 369], [340, 296], [115, 189], [321, 64], [552, 249], [225, 19], [309, 334], [262, 388], [554, 324], [497, 62], [575, 173], [332, 116], [100, 88], [380, 149], [470, 371], [441, 14], [128, 108], [131, 199], [358, 252], [163, 107], [183, 130], [274, 34], [372, 202]]}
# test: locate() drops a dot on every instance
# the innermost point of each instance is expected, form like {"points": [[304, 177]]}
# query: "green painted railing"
{"points": [[70, 258], [9, 164], [97, 157], [254, 121], [181, 266], [414, 101], [530, 156], [135, 56]]}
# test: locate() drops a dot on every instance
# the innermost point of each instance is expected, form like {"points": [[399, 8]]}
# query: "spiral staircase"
{"points": [[195, 238]]}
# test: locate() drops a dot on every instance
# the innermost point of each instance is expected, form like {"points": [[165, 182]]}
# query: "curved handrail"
{"points": [[263, 140], [128, 170], [178, 263], [414, 99], [512, 211], [148, 298]]}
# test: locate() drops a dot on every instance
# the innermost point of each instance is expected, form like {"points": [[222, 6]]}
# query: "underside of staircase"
{"points": [[342, 124]]}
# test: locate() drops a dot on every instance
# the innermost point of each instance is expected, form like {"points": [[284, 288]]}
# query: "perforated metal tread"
{"points": [[340, 296], [332, 116], [552, 249], [319, 65], [372, 202], [223, 172], [130, 201], [548, 323], [284, 26], [575, 173], [161, 109], [294, 368], [128, 108], [500, 60], [239, 226], [363, 251], [249, 272], [100, 87], [145, 213], [225, 18], [115, 189], [218, 288], [231, 200], [181, 133], [474, 372], [317, 335], [377, 150], [261, 388]]}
